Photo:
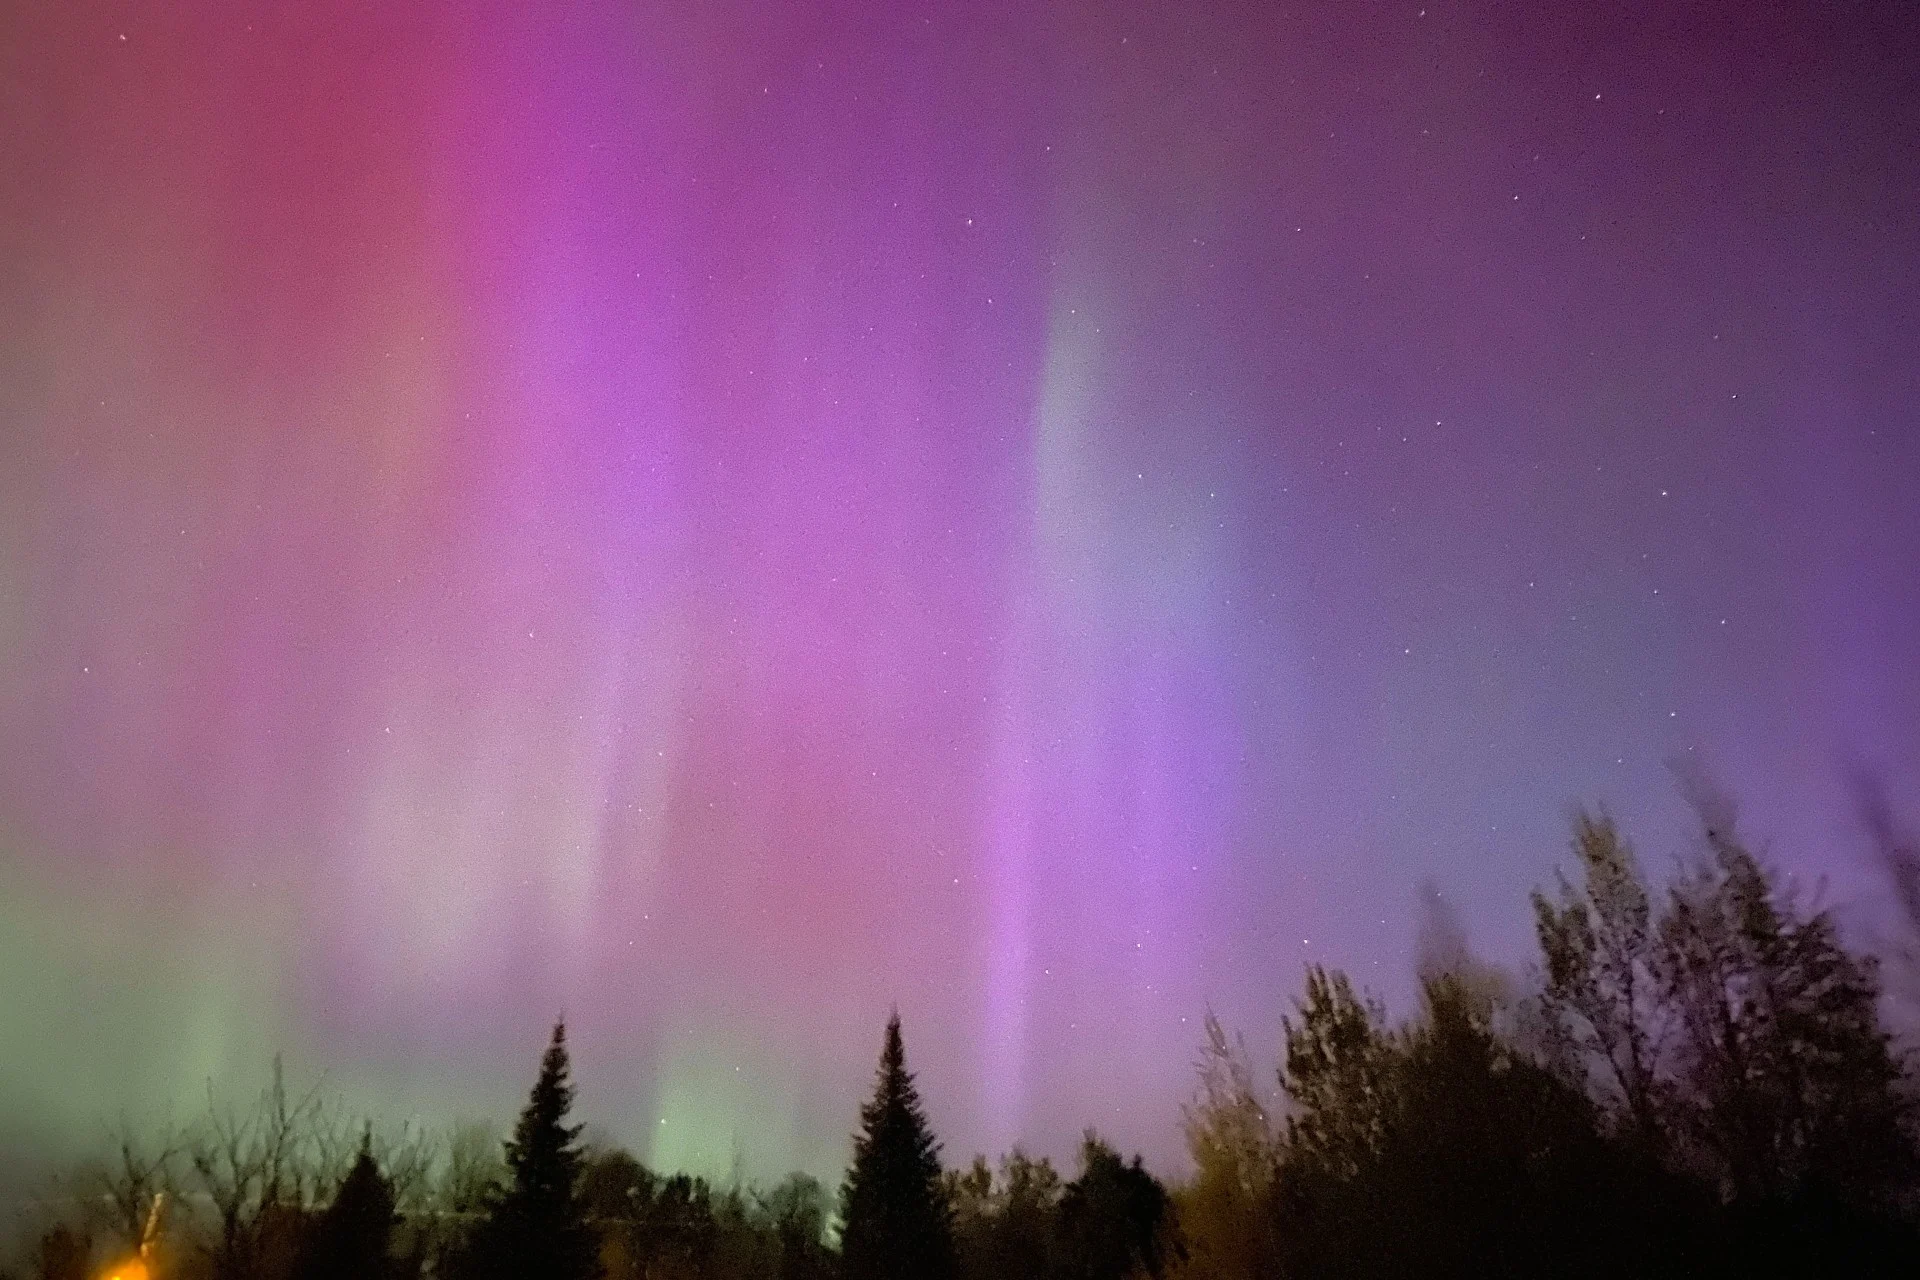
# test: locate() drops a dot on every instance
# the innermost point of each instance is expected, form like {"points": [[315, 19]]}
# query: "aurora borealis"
{"points": [[720, 519]]}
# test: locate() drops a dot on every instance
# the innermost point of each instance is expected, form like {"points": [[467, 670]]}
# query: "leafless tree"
{"points": [[138, 1169], [407, 1154], [472, 1166], [256, 1167]]}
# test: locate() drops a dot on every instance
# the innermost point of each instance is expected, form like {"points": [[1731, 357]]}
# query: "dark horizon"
{"points": [[1696, 1080]]}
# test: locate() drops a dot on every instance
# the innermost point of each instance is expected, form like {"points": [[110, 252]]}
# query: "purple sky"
{"points": [[721, 522]]}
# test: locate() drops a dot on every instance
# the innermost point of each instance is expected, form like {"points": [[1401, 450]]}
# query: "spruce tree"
{"points": [[536, 1227], [894, 1208], [350, 1241]]}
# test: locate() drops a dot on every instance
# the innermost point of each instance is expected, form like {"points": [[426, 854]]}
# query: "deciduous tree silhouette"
{"points": [[1116, 1220], [256, 1168], [1897, 847], [1601, 990], [1232, 1132], [797, 1210], [1729, 1033], [1439, 1149], [1006, 1225], [1786, 1080], [137, 1171]]}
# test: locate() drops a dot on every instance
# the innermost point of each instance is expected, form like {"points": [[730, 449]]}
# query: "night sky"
{"points": [[721, 518]]}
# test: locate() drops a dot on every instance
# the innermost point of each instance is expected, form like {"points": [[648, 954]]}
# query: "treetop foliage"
{"points": [[1697, 1081], [896, 1219]]}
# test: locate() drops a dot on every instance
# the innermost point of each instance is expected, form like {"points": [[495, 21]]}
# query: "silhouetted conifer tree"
{"points": [[896, 1216], [351, 1239], [536, 1227]]}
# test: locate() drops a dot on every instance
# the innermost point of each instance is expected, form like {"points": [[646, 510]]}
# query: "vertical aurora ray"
{"points": [[1112, 723], [1015, 788], [1009, 981]]}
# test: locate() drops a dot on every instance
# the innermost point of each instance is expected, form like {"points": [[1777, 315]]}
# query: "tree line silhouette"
{"points": [[1697, 1081]]}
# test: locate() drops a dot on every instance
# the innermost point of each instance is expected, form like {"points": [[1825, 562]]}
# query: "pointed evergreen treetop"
{"points": [[895, 1210], [351, 1239], [543, 1156], [537, 1226]]}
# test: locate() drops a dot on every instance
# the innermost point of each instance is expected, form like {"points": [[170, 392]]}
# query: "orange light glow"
{"points": [[135, 1270]]}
